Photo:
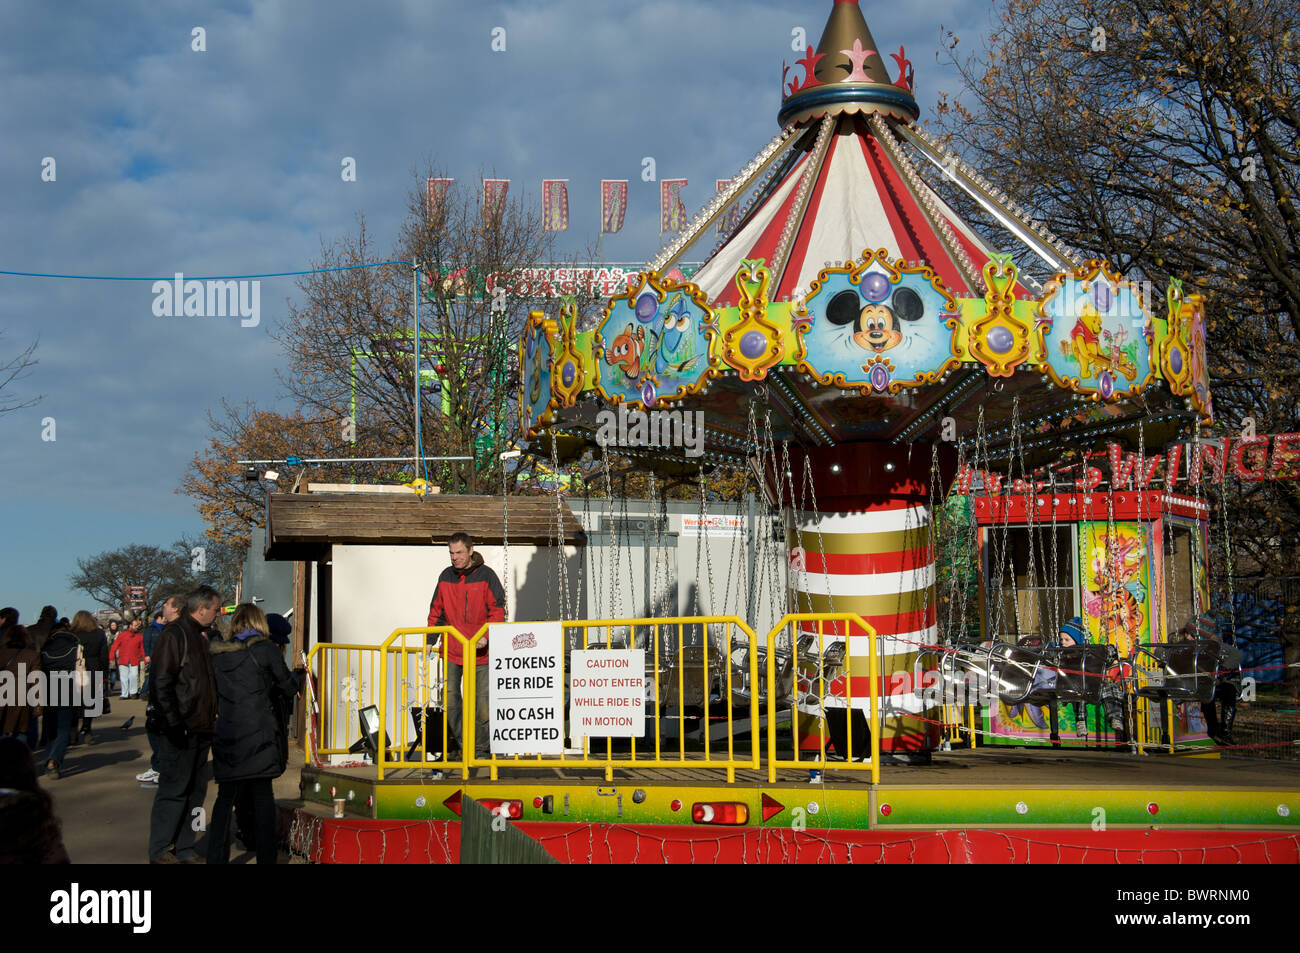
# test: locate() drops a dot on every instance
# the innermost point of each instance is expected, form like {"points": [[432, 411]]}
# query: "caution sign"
{"points": [[525, 688], [607, 693]]}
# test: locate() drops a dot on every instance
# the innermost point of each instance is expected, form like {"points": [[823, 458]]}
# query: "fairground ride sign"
{"points": [[588, 279], [1252, 459]]}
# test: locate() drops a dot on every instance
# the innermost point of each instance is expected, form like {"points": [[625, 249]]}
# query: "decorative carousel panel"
{"points": [[536, 404], [877, 326], [653, 345], [753, 344], [1116, 571], [1188, 353], [1000, 339], [567, 373], [1096, 334], [1174, 352]]}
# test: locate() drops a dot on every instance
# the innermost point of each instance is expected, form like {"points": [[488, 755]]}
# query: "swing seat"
{"points": [[685, 680], [1006, 670], [741, 689], [1014, 672], [1180, 671], [965, 670], [1081, 670]]}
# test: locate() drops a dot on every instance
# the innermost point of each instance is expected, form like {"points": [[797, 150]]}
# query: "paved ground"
{"points": [[105, 811]]}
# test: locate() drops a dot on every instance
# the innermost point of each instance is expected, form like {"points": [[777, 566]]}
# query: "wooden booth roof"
{"points": [[303, 526]]}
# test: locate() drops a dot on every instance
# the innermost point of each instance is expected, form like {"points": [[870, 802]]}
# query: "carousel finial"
{"points": [[846, 74]]}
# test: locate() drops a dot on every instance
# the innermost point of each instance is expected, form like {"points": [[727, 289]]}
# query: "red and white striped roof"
{"points": [[860, 199]]}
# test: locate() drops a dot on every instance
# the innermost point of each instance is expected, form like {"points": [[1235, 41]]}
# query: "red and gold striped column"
{"points": [[866, 549]]}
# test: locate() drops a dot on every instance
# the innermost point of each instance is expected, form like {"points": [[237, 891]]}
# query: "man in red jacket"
{"points": [[127, 653], [468, 594]]}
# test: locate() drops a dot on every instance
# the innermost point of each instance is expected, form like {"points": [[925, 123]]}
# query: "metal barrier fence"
{"points": [[415, 700], [686, 680], [345, 677], [816, 668], [709, 670]]}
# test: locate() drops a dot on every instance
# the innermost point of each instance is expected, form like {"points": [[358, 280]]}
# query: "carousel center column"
{"points": [[867, 549]]}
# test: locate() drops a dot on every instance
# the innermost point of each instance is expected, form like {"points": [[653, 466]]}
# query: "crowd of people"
{"points": [[212, 690]]}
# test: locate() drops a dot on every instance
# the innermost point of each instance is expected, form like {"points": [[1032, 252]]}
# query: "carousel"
{"points": [[949, 432]]}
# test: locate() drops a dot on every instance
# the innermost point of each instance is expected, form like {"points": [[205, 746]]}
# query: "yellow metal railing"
{"points": [[413, 674], [346, 680], [681, 674], [814, 672], [697, 668]]}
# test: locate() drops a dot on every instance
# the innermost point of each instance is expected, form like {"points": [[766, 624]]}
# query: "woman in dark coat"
{"points": [[94, 649], [17, 657], [43, 627], [59, 655], [246, 748], [40, 735]]}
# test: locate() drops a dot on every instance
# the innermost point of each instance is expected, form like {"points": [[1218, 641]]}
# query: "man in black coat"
{"points": [[171, 611], [183, 697]]}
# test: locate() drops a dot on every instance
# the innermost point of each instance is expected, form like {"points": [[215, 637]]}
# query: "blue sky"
{"points": [[228, 162]]}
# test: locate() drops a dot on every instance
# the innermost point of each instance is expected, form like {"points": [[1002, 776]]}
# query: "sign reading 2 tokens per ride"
{"points": [[525, 688]]}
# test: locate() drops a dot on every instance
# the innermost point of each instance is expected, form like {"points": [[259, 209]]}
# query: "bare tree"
{"points": [[13, 370], [351, 344], [105, 577], [1164, 135]]}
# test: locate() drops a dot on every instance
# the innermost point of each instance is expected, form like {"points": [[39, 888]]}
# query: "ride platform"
{"points": [[967, 806]]}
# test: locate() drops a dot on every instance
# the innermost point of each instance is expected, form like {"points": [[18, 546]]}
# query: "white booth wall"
{"points": [[739, 570]]}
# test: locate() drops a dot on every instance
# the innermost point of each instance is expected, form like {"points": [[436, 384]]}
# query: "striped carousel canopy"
{"points": [[839, 181]]}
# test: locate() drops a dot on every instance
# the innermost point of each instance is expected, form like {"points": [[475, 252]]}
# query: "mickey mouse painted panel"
{"points": [[877, 326]]}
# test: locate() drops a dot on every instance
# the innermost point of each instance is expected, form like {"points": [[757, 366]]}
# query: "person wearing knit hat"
{"points": [[280, 628], [1073, 630], [1073, 633], [1202, 626]]}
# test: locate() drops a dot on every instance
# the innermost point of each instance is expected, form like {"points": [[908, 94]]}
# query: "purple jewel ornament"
{"points": [[1101, 295], [753, 344], [648, 393], [646, 306], [1176, 360], [1106, 384], [567, 373], [879, 377], [875, 287], [1000, 340]]}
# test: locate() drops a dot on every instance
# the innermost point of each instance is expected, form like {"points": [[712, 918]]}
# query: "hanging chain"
{"points": [[769, 568], [579, 591], [652, 541], [1227, 558], [597, 560], [625, 539], [505, 532], [1054, 570], [1194, 537], [611, 537], [1016, 450], [821, 543], [559, 532], [937, 547]]}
